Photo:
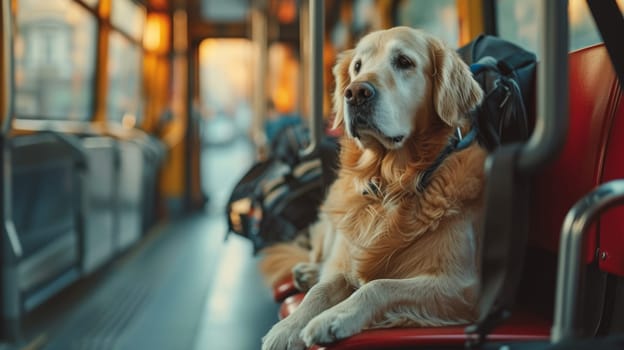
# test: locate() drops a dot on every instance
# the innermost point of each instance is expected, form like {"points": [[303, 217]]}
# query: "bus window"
{"points": [[437, 17], [54, 50], [129, 17], [92, 3], [225, 11], [518, 22], [365, 17], [225, 86], [124, 104], [350, 21], [226, 81], [583, 30]]}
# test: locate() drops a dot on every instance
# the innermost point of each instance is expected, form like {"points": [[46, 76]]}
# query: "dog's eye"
{"points": [[357, 66], [403, 62]]}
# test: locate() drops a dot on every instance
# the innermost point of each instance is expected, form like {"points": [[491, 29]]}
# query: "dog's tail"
{"points": [[277, 261]]}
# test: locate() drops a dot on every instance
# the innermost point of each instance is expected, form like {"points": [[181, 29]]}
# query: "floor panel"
{"points": [[183, 289]]}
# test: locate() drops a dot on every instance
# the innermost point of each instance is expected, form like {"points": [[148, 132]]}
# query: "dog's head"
{"points": [[398, 81]]}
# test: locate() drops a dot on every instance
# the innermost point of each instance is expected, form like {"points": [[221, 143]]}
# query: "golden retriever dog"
{"points": [[393, 247]]}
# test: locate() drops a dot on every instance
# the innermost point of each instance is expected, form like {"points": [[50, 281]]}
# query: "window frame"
{"points": [[134, 41]]}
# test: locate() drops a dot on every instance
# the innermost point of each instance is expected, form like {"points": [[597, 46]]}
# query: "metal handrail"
{"points": [[317, 33], [7, 114], [304, 54], [9, 226], [7, 65], [551, 124], [259, 35], [570, 270]]}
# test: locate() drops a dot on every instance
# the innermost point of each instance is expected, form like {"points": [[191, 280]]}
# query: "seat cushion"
{"points": [[284, 289], [522, 326]]}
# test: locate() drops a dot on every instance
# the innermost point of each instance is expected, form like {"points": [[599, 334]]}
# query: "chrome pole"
{"points": [[259, 34], [304, 59], [551, 126], [317, 30], [7, 71], [7, 114], [570, 269]]}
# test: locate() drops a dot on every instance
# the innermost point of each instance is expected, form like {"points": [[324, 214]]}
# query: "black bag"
{"points": [[506, 73], [279, 197]]}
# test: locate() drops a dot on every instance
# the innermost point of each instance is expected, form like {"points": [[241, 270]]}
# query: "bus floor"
{"points": [[183, 287]]}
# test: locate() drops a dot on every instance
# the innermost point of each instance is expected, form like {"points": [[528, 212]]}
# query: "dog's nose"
{"points": [[358, 93]]}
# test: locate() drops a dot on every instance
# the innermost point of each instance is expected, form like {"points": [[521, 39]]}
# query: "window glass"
{"points": [[225, 85], [124, 101], [225, 11], [129, 17], [92, 3], [518, 22], [54, 60], [437, 17], [224, 111], [365, 17], [226, 82], [353, 20]]}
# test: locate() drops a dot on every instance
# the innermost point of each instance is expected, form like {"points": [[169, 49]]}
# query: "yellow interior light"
{"points": [[156, 34]]}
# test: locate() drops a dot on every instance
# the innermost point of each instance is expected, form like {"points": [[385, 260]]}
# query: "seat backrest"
{"points": [[594, 94], [610, 250]]}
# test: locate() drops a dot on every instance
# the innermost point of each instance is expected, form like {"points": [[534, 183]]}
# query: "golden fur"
{"points": [[386, 254]]}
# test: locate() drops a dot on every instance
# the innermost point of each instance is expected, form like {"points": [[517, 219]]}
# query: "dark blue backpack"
{"points": [[506, 74]]}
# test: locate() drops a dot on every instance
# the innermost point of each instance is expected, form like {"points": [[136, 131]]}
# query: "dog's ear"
{"points": [[341, 76], [455, 92]]}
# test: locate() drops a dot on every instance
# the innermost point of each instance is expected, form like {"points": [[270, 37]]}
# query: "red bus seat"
{"points": [[523, 326], [283, 289], [592, 155], [610, 248], [580, 167]]}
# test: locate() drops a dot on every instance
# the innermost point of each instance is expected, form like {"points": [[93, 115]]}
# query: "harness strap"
{"points": [[457, 143]]}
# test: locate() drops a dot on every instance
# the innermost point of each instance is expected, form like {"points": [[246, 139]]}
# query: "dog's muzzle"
{"points": [[359, 97]]}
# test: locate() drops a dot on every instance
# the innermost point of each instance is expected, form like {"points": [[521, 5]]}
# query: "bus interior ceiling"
{"points": [[126, 124]]}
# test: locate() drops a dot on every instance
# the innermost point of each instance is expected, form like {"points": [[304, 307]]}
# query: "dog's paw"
{"points": [[305, 275], [330, 326], [283, 336]]}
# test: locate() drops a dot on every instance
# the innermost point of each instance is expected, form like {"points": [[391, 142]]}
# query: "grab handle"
{"points": [[570, 269]]}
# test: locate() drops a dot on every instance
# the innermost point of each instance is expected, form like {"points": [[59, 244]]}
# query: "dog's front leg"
{"points": [[285, 334], [346, 318], [423, 300]]}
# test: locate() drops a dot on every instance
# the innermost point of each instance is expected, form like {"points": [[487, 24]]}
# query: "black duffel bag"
{"points": [[278, 198]]}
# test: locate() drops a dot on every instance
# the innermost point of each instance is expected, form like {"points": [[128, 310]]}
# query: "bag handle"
{"points": [[519, 59]]}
